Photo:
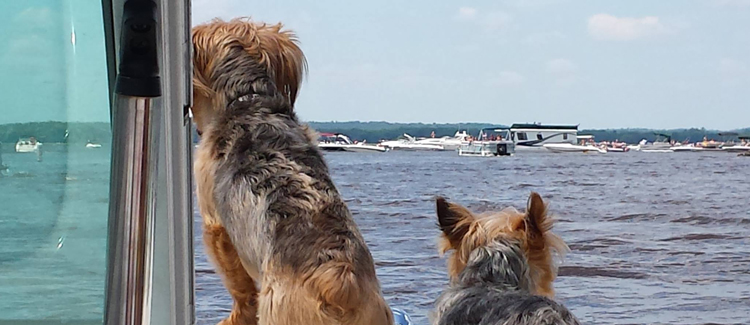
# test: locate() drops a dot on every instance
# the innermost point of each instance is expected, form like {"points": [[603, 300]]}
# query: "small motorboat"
{"points": [[28, 145], [618, 149], [487, 149], [617, 146], [408, 142], [742, 146], [586, 145], [683, 148], [341, 142], [662, 143], [569, 147], [736, 148], [90, 144], [446, 143], [501, 145]]}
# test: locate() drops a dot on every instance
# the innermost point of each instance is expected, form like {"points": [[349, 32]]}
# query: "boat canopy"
{"points": [[543, 126], [496, 128], [585, 136], [665, 135]]}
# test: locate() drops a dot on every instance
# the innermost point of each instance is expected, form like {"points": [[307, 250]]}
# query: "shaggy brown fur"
{"points": [[272, 217], [463, 232], [502, 268]]}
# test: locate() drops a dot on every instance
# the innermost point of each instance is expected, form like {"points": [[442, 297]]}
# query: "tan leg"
{"points": [[239, 284]]}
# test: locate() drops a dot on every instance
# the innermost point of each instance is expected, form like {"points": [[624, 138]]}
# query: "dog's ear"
{"points": [[536, 221], [454, 220]]}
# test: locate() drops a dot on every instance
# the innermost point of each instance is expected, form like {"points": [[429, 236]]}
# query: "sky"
{"points": [[600, 64], [46, 74]]}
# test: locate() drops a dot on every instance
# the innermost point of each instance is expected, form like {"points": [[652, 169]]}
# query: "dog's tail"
{"points": [[343, 294], [340, 289]]}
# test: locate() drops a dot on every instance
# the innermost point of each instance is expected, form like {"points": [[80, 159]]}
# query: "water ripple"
{"points": [[654, 238]]}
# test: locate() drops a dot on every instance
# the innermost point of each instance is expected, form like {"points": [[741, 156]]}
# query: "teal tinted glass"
{"points": [[54, 161]]}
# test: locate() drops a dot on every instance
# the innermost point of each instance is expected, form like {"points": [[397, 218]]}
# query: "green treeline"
{"points": [[375, 131], [79, 132], [55, 132]]}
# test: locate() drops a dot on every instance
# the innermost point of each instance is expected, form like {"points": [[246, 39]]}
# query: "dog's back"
{"points": [[489, 306], [286, 218], [266, 182]]}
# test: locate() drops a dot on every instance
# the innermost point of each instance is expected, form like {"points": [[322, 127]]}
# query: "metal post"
{"points": [[130, 240], [173, 271]]}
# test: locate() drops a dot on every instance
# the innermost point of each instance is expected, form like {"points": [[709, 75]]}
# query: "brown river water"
{"points": [[655, 238]]}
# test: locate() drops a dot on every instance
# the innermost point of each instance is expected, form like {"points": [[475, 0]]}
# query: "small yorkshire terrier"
{"points": [[275, 225], [501, 268]]}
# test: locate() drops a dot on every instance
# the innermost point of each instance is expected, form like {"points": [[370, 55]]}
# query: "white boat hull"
{"points": [[350, 147], [657, 150], [736, 149], [414, 147], [617, 150], [662, 147], [566, 147], [478, 154], [24, 148], [487, 149], [365, 148], [93, 145]]}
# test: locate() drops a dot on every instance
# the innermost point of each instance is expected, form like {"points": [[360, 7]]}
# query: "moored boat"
{"points": [[90, 144], [28, 145], [662, 143], [586, 145], [742, 146], [341, 142], [496, 143], [567, 147]]}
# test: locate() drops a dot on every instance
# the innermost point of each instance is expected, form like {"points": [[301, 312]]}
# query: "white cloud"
{"points": [[608, 27], [730, 68], [732, 3], [531, 3], [563, 71], [507, 78], [490, 21], [545, 38], [466, 13], [496, 20], [561, 67]]}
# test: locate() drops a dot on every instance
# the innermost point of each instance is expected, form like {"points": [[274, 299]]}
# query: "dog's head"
{"points": [[235, 58], [464, 232]]}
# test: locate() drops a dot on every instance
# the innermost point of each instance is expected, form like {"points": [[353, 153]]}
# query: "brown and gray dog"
{"points": [[502, 267], [275, 226]]}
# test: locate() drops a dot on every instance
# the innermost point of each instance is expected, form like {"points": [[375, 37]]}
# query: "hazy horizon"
{"points": [[581, 127], [594, 63], [602, 65]]}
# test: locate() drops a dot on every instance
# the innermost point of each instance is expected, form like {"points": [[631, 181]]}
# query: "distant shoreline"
{"points": [[100, 132], [375, 131]]}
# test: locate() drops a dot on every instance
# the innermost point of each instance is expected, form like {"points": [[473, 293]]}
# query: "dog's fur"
{"points": [[502, 267], [273, 219]]}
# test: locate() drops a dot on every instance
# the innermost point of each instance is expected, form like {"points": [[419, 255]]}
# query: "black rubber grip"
{"points": [[138, 72]]}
